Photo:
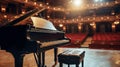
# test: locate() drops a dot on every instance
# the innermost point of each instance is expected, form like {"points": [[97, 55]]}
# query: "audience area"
{"points": [[105, 41], [76, 39]]}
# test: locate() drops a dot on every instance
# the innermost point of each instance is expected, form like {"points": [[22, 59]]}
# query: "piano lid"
{"points": [[42, 23]]}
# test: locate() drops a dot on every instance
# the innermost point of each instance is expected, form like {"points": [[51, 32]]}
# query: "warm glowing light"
{"points": [[3, 9], [54, 8], [116, 22], [94, 18], [108, 17], [35, 3], [116, 2], [92, 24], [107, 3], [60, 25], [23, 12], [88, 18], [48, 7], [5, 16], [94, 27], [16, 17], [117, 16], [79, 27], [64, 28], [41, 5], [48, 16], [26, 1], [101, 18], [113, 26], [117, 62], [59, 8], [47, 3], [113, 13], [77, 2]]}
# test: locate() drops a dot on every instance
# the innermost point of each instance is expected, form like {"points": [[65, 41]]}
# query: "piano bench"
{"points": [[71, 57]]}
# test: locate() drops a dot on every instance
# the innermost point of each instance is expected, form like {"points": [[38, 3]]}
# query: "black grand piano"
{"points": [[23, 39]]}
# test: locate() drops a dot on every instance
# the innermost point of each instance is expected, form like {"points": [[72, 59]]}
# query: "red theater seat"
{"points": [[76, 39], [105, 40]]}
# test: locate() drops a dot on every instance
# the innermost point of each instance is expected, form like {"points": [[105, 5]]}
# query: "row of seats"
{"points": [[76, 39], [105, 40], [107, 36]]}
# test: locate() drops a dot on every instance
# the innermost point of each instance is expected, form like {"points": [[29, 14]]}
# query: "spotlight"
{"points": [[77, 2], [98, 0]]}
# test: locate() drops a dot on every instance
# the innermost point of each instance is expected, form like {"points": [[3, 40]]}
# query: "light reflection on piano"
{"points": [[43, 36]]}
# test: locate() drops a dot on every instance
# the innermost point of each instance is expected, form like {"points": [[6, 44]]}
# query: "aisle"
{"points": [[87, 42]]}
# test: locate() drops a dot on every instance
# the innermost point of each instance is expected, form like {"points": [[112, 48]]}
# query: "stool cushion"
{"points": [[71, 57]]}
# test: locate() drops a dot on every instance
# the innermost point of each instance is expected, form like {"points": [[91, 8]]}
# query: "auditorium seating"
{"points": [[76, 39], [105, 41]]}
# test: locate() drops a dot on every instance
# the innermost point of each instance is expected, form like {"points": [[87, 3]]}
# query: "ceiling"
{"points": [[101, 11], [89, 8]]}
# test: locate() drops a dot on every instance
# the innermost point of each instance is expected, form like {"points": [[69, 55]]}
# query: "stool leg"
{"points": [[82, 63], [77, 65], [61, 65], [68, 65]]}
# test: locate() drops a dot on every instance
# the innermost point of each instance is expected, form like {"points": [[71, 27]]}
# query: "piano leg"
{"points": [[43, 59], [40, 59], [37, 57], [55, 55], [18, 59]]}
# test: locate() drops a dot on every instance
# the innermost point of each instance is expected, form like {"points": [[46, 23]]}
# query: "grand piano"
{"points": [[38, 38]]}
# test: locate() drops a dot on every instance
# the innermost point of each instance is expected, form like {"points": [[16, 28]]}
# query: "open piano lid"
{"points": [[42, 23]]}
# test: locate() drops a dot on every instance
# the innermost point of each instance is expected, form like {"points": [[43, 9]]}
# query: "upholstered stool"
{"points": [[71, 57]]}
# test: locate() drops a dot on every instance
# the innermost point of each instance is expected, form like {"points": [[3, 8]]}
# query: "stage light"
{"points": [[98, 0], [77, 2]]}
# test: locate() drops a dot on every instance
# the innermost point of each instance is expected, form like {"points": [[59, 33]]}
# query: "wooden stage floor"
{"points": [[93, 58]]}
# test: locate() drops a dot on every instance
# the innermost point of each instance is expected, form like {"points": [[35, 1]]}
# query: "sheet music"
{"points": [[42, 23]]}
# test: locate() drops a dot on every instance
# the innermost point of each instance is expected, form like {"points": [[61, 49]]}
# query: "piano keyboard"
{"points": [[52, 43]]}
